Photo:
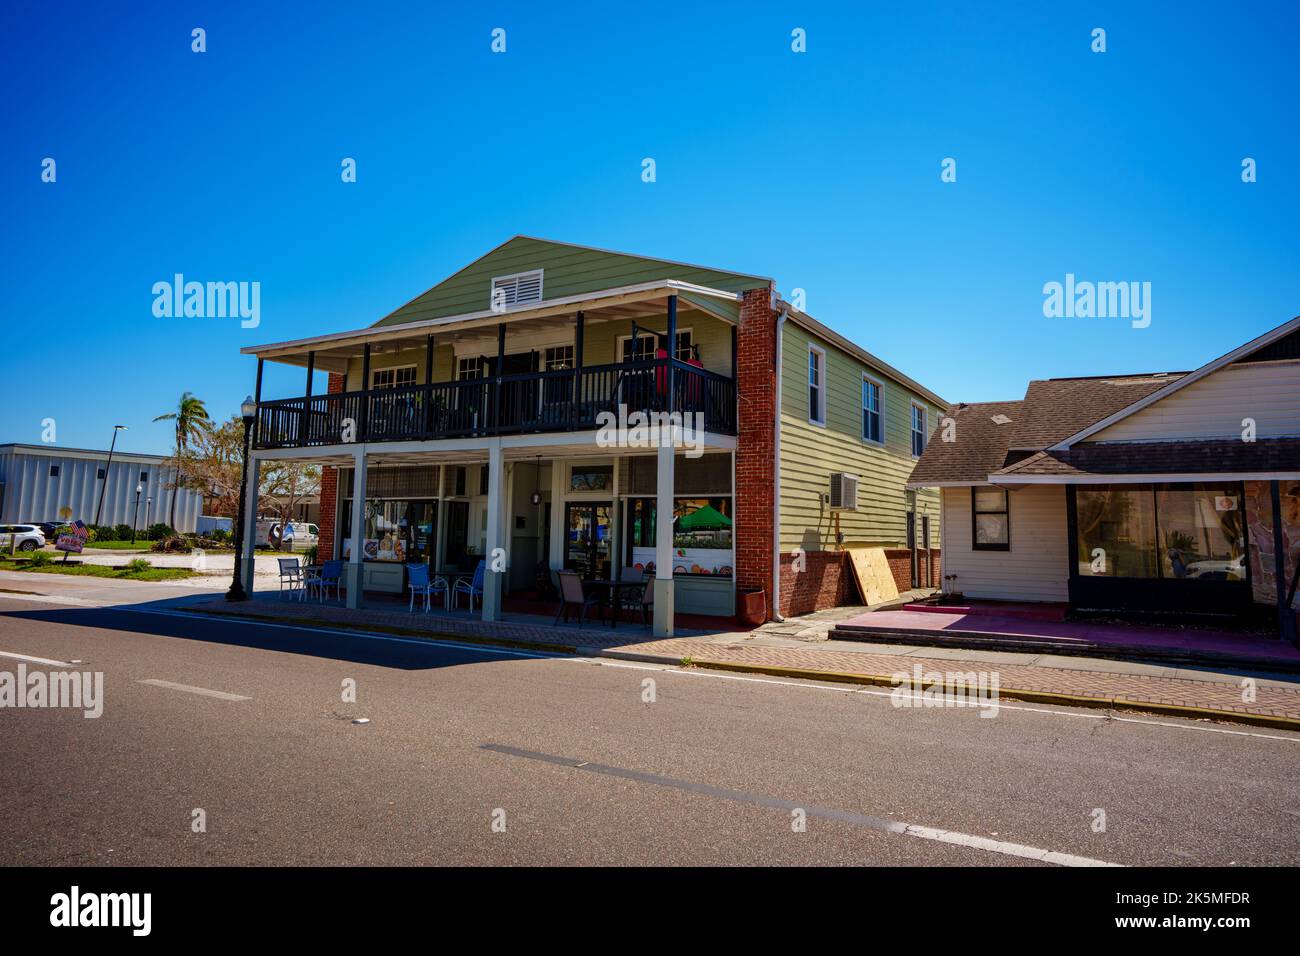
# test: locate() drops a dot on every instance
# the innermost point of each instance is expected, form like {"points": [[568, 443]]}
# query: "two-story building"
{"points": [[471, 424]]}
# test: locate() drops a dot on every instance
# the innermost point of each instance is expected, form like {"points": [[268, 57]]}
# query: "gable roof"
{"points": [[1056, 408], [569, 270], [980, 446], [1106, 461], [1237, 354]]}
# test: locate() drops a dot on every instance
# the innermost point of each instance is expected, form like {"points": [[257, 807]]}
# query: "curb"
{"points": [[1028, 696], [837, 677]]}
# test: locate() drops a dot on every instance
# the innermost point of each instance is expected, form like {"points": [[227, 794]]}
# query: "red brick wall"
{"points": [[329, 478], [827, 580], [756, 444]]}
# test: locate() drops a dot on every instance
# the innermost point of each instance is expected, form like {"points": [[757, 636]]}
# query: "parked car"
{"points": [[25, 537], [268, 534], [49, 528]]}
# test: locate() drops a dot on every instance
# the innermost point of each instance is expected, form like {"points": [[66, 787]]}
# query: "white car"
{"points": [[24, 537]]}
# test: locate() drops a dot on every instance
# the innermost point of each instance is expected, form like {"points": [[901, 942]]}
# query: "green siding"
{"points": [[568, 270], [809, 453]]}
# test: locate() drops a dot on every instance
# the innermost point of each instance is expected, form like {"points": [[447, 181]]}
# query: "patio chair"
{"points": [[629, 573], [418, 582], [572, 595], [471, 589], [643, 599], [291, 576], [328, 576]]}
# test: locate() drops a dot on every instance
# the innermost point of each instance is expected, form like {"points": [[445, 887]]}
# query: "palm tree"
{"points": [[192, 421]]}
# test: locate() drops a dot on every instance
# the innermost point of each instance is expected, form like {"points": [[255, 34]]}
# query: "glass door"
{"points": [[587, 540]]}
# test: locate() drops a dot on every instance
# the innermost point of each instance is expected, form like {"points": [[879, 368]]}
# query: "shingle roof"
{"points": [[979, 444], [1057, 408], [1163, 458]]}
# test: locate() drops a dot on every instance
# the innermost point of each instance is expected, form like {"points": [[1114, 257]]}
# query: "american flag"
{"points": [[80, 530]]}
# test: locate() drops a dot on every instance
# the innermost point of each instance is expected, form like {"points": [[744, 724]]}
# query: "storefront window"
{"points": [[1185, 532], [1201, 533], [395, 531], [702, 535]]}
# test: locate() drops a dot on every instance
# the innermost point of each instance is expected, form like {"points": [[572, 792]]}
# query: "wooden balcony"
{"points": [[528, 403]]}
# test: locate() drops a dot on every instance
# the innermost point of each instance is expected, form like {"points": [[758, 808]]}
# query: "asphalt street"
{"points": [[478, 756]]}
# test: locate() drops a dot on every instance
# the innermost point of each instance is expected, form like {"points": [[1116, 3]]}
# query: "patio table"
{"points": [[614, 588]]}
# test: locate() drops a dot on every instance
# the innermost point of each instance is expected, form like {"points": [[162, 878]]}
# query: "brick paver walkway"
{"points": [[1218, 692]]}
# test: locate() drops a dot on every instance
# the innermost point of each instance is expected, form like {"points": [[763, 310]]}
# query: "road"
{"points": [[579, 766]]}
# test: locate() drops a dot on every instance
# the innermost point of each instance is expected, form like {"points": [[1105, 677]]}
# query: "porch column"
{"points": [[357, 555], [557, 529], [664, 592], [495, 548], [250, 524]]}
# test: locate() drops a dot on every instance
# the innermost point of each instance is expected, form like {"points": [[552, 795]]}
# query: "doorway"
{"points": [[457, 534], [587, 539]]}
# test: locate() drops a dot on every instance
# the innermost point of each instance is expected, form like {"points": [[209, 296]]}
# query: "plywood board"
{"points": [[871, 570]]}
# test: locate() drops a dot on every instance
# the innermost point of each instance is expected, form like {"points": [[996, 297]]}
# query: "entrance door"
{"points": [[587, 538], [457, 533]]}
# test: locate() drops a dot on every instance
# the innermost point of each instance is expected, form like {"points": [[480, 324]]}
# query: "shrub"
{"points": [[102, 533], [310, 555], [158, 531], [172, 543], [136, 565], [123, 532], [220, 535], [40, 559]]}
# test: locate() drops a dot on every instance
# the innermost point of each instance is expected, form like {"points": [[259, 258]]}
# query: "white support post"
{"points": [[250, 525], [357, 556], [494, 547], [558, 470], [664, 591]]}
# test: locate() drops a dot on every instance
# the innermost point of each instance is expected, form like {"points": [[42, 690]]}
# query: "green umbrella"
{"points": [[707, 518]]}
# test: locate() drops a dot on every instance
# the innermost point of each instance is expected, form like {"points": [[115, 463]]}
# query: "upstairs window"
{"points": [[469, 368], [54, 471], [872, 426], [816, 385], [393, 377], [643, 349], [518, 289], [918, 430]]}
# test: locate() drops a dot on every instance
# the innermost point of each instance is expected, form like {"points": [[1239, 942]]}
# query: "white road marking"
{"points": [[203, 691], [35, 660], [847, 689]]}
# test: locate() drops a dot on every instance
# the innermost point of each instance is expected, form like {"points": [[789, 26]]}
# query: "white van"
{"points": [[270, 535]]}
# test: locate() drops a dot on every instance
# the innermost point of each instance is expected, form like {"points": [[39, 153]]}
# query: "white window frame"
{"points": [[817, 416], [911, 428], [477, 362], [546, 359], [515, 277], [415, 379], [618, 343], [880, 410]]}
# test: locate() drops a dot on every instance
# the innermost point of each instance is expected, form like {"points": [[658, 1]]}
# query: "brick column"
{"points": [[329, 478], [756, 441]]}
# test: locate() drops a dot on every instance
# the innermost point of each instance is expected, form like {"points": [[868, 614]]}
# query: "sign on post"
{"points": [[72, 539]]}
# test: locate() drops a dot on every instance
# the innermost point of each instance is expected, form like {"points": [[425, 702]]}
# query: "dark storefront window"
{"points": [[1173, 532]]}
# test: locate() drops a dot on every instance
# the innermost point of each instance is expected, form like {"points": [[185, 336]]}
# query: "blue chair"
{"points": [[418, 583], [471, 589], [329, 575]]}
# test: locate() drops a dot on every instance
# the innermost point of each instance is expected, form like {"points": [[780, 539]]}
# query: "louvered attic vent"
{"points": [[517, 289]]}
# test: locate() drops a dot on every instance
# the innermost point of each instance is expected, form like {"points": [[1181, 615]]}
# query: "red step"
{"points": [[1024, 612]]}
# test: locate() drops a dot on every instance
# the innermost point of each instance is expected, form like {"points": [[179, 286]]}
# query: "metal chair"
{"points": [[471, 589], [330, 575], [572, 594], [418, 583], [291, 575]]}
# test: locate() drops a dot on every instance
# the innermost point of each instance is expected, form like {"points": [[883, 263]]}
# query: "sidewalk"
{"points": [[1040, 678]]}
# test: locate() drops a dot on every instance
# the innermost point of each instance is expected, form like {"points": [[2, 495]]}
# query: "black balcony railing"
{"points": [[533, 402]]}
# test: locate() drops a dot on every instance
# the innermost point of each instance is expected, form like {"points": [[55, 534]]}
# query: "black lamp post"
{"points": [[107, 470], [135, 518], [248, 410]]}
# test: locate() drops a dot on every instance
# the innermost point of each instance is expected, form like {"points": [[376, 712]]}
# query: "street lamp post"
{"points": [[247, 411], [135, 518], [107, 469]]}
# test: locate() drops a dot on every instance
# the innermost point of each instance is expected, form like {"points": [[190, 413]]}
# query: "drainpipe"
{"points": [[776, 497]]}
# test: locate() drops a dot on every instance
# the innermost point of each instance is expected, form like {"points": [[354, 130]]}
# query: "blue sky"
{"points": [[820, 169]]}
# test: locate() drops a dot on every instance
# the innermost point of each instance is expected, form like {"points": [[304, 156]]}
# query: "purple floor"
{"points": [[1130, 637]]}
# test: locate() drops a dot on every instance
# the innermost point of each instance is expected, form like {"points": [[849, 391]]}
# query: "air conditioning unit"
{"points": [[844, 491]]}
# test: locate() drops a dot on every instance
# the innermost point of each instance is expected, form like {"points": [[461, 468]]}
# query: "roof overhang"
{"points": [[336, 348], [1142, 479]]}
